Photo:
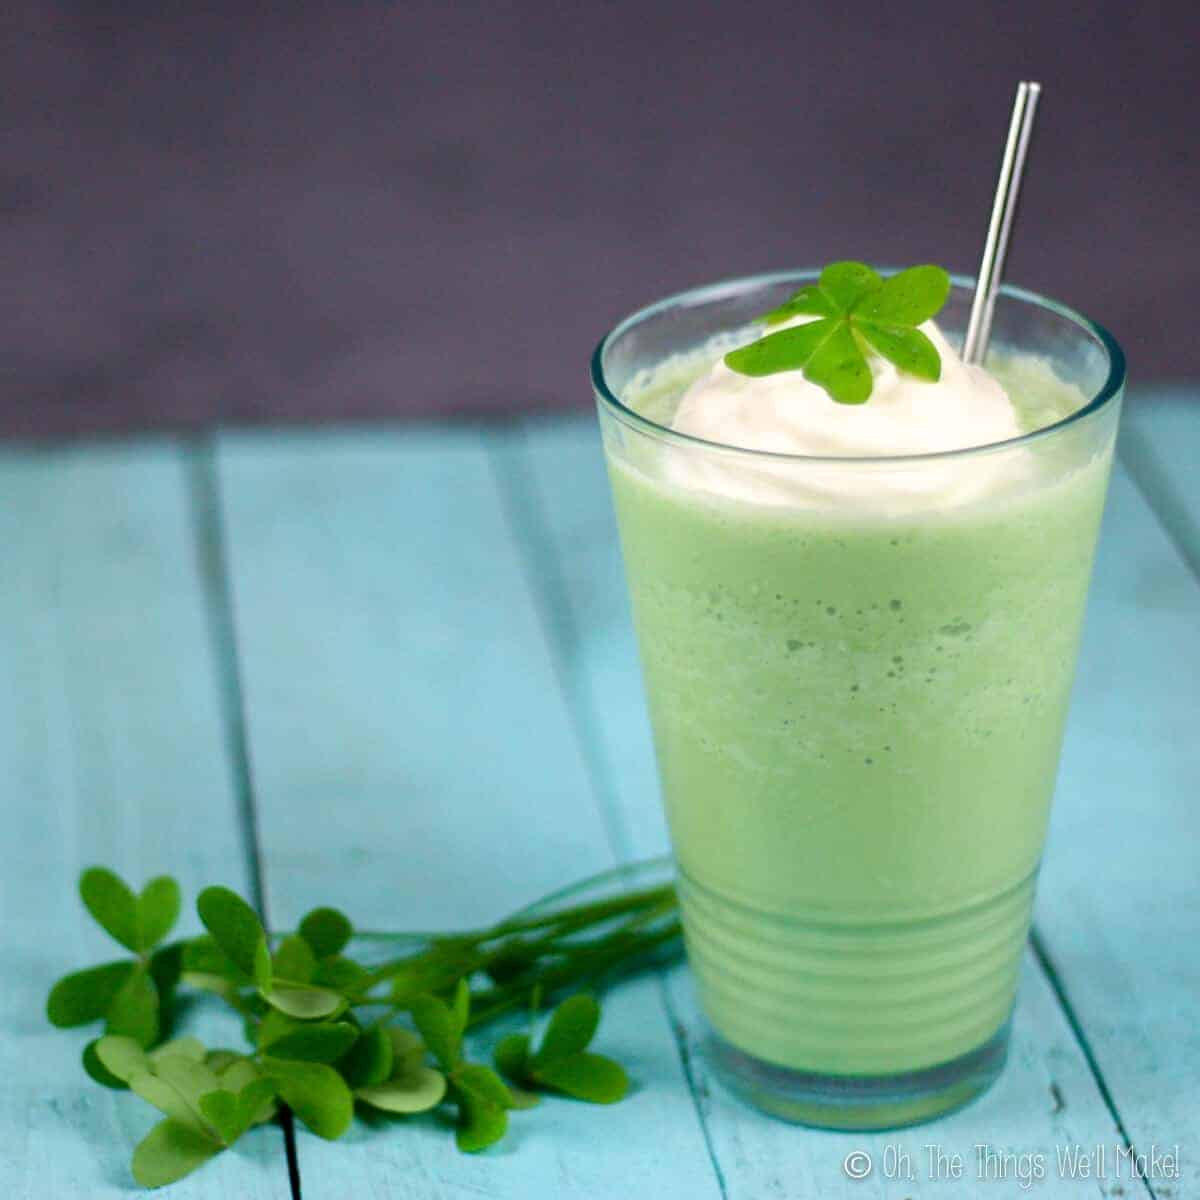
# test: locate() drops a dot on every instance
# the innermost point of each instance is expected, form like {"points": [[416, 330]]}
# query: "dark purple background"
{"points": [[247, 212]]}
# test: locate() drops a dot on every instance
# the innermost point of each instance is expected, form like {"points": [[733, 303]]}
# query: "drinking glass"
{"points": [[857, 672]]}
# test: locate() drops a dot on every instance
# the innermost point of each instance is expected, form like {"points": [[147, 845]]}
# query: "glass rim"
{"points": [[706, 293]]}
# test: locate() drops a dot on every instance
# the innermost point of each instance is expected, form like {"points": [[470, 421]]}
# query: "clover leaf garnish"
{"points": [[856, 311], [318, 1046]]}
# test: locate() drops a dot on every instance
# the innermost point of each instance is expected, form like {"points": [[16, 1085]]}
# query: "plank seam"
{"points": [[1153, 481], [218, 603], [1054, 979], [213, 561], [541, 568], [683, 1048], [540, 563]]}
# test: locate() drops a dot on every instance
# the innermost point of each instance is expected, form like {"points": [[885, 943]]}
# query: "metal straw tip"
{"points": [[1004, 206]]}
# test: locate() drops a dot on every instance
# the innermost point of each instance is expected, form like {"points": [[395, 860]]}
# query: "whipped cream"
{"points": [[786, 414]]}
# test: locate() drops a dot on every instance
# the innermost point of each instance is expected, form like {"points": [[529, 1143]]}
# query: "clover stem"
{"points": [[645, 904], [627, 955], [578, 916]]}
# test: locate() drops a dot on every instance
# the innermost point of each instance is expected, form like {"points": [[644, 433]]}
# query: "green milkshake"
{"points": [[858, 630]]}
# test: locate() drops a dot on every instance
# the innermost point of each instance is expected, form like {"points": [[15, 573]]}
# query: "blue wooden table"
{"points": [[393, 670]]}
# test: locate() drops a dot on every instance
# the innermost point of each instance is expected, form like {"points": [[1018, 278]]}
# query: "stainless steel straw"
{"points": [[1004, 207]]}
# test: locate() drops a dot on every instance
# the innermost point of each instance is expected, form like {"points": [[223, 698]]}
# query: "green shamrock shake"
{"points": [[858, 577]]}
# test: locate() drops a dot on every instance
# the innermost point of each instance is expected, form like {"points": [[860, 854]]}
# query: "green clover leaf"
{"points": [[483, 1102], [113, 905], [304, 1001], [157, 911], [204, 1112], [316, 1093], [85, 996], [238, 933], [369, 1061], [320, 1043], [591, 1077], [133, 1011], [854, 309], [511, 1057], [409, 1086], [341, 974], [327, 931], [294, 960], [572, 1026], [171, 1150], [562, 1061]]}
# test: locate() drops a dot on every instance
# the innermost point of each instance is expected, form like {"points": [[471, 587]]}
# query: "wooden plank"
{"points": [[415, 763], [1160, 445], [112, 750], [1048, 1097], [1118, 908]]}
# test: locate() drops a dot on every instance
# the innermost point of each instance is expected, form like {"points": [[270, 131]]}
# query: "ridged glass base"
{"points": [[851, 1102], [856, 996]]}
